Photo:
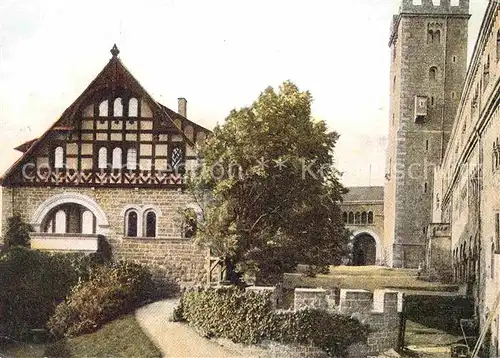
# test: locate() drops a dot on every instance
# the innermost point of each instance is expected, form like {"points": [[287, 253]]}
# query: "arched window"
{"points": [[433, 73], [103, 158], [59, 157], [133, 107], [131, 223], [150, 223], [118, 107], [103, 109], [87, 222], [344, 216], [370, 217], [357, 217], [437, 36], [131, 159], [351, 217], [190, 223], [60, 224], [117, 158], [430, 36], [363, 217]]}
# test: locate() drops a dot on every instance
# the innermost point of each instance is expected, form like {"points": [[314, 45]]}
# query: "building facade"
{"points": [[363, 213], [111, 171], [467, 193], [429, 53]]}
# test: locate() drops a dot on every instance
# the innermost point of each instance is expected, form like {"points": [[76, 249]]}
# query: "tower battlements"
{"points": [[422, 7]]}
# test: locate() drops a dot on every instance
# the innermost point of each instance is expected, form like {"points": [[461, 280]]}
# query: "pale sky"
{"points": [[218, 54]]}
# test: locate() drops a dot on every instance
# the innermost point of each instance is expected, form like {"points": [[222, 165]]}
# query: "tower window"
{"points": [[453, 94], [351, 217], [363, 217], [426, 144], [454, 59], [344, 216], [433, 101], [425, 187], [433, 73], [370, 217]]}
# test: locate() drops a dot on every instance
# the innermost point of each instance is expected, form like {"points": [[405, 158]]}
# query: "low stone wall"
{"points": [[276, 294], [380, 310]]}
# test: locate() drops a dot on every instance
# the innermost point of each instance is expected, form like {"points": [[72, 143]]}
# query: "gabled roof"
{"points": [[364, 194], [111, 77], [26, 145]]}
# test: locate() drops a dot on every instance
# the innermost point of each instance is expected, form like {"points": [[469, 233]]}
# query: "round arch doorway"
{"points": [[364, 250]]}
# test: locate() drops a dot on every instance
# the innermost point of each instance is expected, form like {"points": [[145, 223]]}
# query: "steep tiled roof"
{"points": [[364, 193]]}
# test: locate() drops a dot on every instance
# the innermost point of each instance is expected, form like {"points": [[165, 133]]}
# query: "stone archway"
{"points": [[48, 205], [366, 248]]}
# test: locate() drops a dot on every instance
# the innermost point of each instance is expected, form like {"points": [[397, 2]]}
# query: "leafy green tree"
{"points": [[17, 232], [274, 190]]}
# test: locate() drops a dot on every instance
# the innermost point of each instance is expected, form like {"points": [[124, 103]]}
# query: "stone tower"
{"points": [[428, 64]]}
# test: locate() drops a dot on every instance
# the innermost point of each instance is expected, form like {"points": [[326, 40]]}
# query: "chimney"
{"points": [[182, 106]]}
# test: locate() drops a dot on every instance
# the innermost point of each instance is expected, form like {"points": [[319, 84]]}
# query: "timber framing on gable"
{"points": [[115, 135]]}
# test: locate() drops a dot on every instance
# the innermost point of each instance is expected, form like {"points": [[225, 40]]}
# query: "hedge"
{"points": [[32, 283], [110, 292], [247, 317]]}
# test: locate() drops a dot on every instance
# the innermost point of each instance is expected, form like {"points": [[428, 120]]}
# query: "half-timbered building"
{"points": [[112, 170]]}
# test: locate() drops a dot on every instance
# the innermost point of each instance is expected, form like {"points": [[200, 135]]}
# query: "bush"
{"points": [[247, 317], [33, 283], [17, 232], [109, 292]]}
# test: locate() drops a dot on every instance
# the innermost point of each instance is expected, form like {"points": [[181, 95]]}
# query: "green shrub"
{"points": [[32, 283], [109, 292], [247, 317], [17, 232]]}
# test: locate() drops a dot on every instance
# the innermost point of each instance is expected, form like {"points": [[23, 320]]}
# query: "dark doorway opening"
{"points": [[364, 250]]}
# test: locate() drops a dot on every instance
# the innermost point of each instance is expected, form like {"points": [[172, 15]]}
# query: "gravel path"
{"points": [[176, 339]]}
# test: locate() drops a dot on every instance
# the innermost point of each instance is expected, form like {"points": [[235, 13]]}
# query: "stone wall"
{"points": [[171, 257], [380, 310]]}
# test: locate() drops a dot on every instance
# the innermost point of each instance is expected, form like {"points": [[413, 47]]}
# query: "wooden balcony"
{"points": [[64, 242]]}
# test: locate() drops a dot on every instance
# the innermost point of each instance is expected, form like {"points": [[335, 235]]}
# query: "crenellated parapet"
{"points": [[458, 7]]}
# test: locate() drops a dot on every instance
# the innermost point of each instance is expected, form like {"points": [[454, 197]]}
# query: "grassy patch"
{"points": [[120, 338], [365, 277], [421, 336]]}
